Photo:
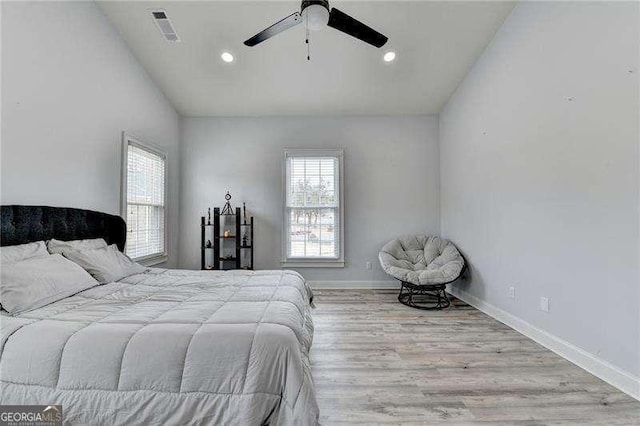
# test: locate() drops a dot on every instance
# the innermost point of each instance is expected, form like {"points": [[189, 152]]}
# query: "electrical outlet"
{"points": [[512, 292], [367, 265], [544, 304]]}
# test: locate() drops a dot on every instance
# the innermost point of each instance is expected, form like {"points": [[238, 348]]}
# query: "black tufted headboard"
{"points": [[25, 224]]}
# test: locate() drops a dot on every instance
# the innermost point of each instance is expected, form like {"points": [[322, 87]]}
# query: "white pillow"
{"points": [[57, 246], [38, 281], [105, 264], [22, 251]]}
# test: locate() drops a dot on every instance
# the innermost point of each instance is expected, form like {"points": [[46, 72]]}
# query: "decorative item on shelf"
{"points": [[209, 222], [244, 212], [227, 209], [227, 233], [244, 239], [209, 245]]}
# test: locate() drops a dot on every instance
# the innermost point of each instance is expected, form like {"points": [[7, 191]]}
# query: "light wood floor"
{"points": [[376, 361]]}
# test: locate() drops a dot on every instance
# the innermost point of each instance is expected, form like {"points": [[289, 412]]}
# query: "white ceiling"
{"points": [[436, 44]]}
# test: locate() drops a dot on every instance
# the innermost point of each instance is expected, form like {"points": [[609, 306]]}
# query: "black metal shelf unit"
{"points": [[226, 255]]}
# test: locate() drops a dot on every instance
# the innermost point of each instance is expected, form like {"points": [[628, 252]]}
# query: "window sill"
{"points": [[312, 263], [151, 261]]}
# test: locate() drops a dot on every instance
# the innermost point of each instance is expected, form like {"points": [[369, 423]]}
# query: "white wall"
{"points": [[539, 172], [70, 86], [391, 181]]}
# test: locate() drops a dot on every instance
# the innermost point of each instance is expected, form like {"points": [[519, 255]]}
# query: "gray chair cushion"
{"points": [[421, 259]]}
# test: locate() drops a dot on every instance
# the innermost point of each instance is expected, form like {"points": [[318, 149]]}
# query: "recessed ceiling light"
{"points": [[389, 56], [227, 57]]}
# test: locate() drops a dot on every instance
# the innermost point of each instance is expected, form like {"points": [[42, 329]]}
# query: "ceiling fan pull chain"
{"points": [[306, 22]]}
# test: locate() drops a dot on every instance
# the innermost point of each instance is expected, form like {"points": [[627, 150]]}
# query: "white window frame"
{"points": [[311, 262], [127, 140]]}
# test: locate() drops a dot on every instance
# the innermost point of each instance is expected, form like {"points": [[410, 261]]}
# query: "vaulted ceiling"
{"points": [[436, 43]]}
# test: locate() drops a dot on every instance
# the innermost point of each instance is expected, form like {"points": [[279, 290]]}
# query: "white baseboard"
{"points": [[626, 382], [353, 285]]}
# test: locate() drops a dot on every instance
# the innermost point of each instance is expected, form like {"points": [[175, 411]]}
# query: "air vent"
{"points": [[164, 25]]}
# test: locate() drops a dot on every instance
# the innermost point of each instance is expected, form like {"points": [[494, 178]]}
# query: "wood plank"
{"points": [[376, 361]]}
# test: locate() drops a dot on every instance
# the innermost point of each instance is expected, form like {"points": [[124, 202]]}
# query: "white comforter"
{"points": [[168, 347]]}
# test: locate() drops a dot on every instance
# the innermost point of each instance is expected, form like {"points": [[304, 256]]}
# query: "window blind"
{"points": [[312, 207], [146, 173]]}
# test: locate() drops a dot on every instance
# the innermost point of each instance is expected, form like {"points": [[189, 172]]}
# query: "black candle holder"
{"points": [[227, 209]]}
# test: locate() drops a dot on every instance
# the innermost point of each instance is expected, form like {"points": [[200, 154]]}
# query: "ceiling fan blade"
{"points": [[280, 26], [345, 23]]}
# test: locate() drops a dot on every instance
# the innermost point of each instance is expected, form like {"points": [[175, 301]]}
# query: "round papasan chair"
{"points": [[424, 265]]}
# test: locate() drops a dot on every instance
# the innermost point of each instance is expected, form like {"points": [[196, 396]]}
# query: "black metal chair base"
{"points": [[428, 297]]}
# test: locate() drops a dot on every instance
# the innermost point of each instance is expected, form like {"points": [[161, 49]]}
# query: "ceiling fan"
{"points": [[317, 16]]}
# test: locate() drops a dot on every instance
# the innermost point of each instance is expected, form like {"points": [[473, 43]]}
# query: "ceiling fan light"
{"points": [[317, 16], [389, 56]]}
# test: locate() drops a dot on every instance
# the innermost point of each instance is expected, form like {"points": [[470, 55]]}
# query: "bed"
{"points": [[159, 347]]}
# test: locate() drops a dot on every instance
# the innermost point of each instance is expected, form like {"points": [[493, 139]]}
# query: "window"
{"points": [[143, 201], [313, 208]]}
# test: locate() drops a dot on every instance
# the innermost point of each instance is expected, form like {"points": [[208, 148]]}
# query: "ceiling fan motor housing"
{"points": [[316, 12]]}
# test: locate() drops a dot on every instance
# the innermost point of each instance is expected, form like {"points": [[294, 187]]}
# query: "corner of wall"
{"points": [[439, 174]]}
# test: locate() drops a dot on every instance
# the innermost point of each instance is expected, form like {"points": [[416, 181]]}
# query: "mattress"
{"points": [[168, 347]]}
